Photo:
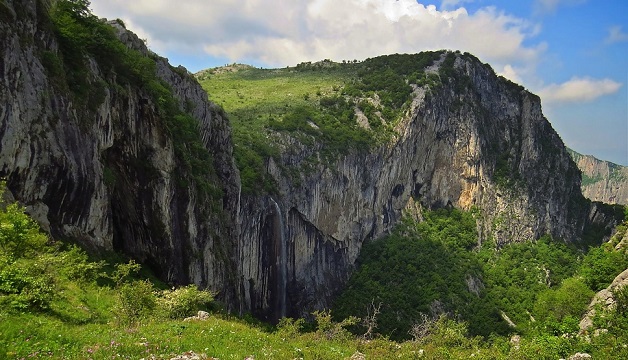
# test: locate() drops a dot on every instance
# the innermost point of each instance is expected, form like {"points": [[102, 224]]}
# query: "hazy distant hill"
{"points": [[602, 180]]}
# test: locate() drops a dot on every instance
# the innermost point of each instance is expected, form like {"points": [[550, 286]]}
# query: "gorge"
{"points": [[109, 146]]}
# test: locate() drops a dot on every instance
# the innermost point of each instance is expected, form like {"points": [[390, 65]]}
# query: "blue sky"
{"points": [[573, 53]]}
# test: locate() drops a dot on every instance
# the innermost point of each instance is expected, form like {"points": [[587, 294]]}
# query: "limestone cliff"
{"points": [[476, 142], [602, 180], [92, 157]]}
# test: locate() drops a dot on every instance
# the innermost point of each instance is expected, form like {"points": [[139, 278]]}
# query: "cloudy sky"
{"points": [[573, 53]]}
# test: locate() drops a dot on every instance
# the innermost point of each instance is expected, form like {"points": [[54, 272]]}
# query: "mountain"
{"points": [[462, 137], [602, 180], [109, 146]]}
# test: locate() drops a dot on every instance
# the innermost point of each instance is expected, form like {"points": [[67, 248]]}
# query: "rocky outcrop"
{"points": [[477, 142], [105, 173], [602, 180], [604, 300]]}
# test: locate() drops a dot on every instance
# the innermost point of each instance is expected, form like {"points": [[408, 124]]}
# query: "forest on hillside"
{"points": [[410, 297]]}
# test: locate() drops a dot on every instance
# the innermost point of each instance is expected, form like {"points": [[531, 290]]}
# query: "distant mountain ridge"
{"points": [[602, 180]]}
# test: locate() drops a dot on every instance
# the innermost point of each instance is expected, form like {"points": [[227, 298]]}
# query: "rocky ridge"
{"points": [[604, 299], [483, 145], [602, 180]]}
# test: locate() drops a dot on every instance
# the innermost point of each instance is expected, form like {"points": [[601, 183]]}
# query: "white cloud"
{"points": [[510, 73], [615, 34], [449, 4], [284, 32], [578, 90], [550, 6]]}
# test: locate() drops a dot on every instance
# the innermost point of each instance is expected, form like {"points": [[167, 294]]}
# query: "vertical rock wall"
{"points": [[108, 177], [602, 180], [475, 142]]}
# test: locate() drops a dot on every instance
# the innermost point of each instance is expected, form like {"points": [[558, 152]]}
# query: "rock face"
{"points": [[602, 180], [603, 298], [110, 174], [107, 176], [484, 146]]}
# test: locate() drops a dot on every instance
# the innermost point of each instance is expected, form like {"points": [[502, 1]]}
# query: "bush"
{"points": [[184, 301], [331, 330], [600, 266], [448, 333], [123, 272], [421, 329], [26, 287], [136, 301], [569, 300], [24, 284], [620, 295], [20, 235], [289, 328], [75, 265]]}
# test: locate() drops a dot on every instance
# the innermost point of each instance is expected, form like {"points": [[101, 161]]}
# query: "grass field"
{"points": [[254, 98]]}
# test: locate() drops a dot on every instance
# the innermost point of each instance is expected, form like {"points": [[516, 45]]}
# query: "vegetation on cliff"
{"points": [[537, 289], [57, 303], [83, 37], [338, 107]]}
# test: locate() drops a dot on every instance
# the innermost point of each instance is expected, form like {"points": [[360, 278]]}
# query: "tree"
{"points": [[620, 295], [20, 235], [79, 9], [564, 304], [370, 320]]}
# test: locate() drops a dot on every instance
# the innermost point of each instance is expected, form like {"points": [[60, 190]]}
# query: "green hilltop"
{"points": [[339, 107]]}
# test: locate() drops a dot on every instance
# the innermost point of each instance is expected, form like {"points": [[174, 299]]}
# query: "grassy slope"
{"points": [[82, 318], [56, 303], [254, 97], [319, 102], [248, 93], [44, 335]]}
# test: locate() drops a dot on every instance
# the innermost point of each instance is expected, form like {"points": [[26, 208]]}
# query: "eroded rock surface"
{"points": [[602, 180]]}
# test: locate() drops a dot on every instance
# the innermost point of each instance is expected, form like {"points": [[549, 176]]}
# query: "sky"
{"points": [[572, 53]]}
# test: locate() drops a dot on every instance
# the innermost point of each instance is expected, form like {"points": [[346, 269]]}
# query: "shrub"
{"points": [[184, 301], [600, 266], [136, 301], [124, 271], [569, 300], [20, 235], [333, 330], [24, 284], [448, 333], [26, 287], [289, 328], [75, 264], [421, 329], [620, 295]]}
